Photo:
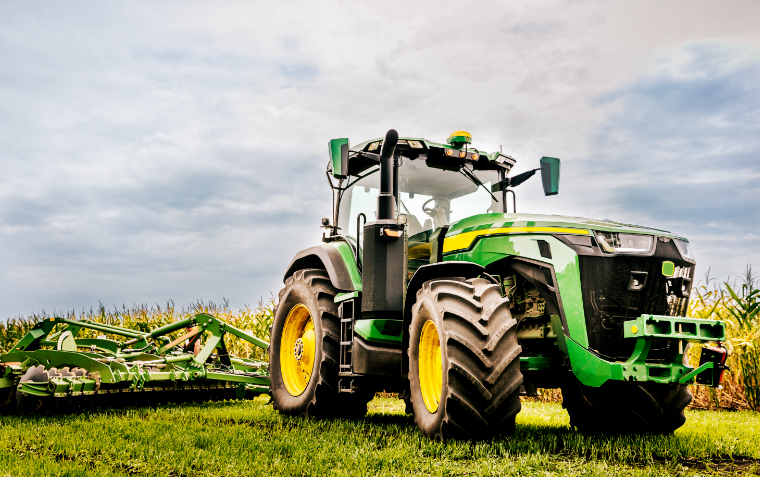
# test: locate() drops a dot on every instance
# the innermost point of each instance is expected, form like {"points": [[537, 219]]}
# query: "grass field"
{"points": [[250, 438]]}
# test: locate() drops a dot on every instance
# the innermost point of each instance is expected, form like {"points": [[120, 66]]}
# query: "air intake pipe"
{"points": [[386, 201]]}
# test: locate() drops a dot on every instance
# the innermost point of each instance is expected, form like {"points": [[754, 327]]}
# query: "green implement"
{"points": [[49, 370]]}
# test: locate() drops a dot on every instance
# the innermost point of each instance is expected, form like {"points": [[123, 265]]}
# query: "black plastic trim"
{"points": [[609, 299], [436, 244], [375, 358]]}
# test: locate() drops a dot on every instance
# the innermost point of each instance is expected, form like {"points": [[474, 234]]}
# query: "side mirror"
{"points": [[550, 175], [339, 157]]}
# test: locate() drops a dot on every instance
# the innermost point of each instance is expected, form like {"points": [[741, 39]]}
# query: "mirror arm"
{"points": [[336, 207], [329, 181], [520, 178]]}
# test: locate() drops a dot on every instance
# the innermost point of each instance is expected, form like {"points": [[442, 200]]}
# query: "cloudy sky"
{"points": [[176, 150]]}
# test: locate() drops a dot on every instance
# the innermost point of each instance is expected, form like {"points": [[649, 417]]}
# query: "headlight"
{"points": [[614, 242], [685, 249]]}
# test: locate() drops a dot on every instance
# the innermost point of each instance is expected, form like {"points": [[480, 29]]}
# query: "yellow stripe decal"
{"points": [[464, 240]]}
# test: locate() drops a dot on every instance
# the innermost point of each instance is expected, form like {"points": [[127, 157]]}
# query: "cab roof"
{"points": [[363, 155]]}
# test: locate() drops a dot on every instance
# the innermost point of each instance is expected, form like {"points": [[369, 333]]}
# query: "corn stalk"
{"points": [[744, 335]]}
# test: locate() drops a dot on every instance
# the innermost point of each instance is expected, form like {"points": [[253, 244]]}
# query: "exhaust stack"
{"points": [[386, 201], [384, 246]]}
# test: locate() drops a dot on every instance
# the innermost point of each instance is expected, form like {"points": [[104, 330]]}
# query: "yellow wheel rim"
{"points": [[431, 370], [297, 350]]}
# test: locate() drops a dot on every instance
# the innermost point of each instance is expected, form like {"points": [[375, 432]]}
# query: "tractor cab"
{"points": [[430, 194], [434, 185]]}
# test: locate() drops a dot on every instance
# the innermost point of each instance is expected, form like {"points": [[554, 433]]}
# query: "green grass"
{"points": [[249, 438]]}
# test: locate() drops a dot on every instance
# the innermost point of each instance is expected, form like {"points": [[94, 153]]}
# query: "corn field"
{"points": [[737, 302], [143, 318]]}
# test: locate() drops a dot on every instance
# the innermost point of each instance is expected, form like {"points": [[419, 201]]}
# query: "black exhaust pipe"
{"points": [[386, 201], [384, 249]]}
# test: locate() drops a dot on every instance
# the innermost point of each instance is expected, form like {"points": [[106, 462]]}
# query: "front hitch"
{"points": [[712, 361], [594, 370]]}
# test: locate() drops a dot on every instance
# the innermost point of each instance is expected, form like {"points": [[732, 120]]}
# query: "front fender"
{"points": [[336, 258]]}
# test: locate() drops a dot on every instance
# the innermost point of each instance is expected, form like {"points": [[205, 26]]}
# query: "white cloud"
{"points": [[164, 150]]}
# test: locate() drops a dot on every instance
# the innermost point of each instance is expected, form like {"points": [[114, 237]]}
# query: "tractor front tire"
{"points": [[622, 407], [464, 366]]}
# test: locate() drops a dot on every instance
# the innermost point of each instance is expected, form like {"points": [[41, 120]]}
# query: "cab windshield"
{"points": [[429, 197]]}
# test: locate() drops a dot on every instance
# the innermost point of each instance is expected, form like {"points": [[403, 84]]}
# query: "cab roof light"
{"points": [[374, 146]]}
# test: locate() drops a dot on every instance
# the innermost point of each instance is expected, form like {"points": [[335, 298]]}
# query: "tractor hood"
{"points": [[540, 222]]}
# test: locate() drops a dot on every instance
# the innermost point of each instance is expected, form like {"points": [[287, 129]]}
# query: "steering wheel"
{"points": [[440, 201]]}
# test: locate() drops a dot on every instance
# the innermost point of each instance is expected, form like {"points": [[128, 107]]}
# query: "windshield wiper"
{"points": [[466, 172]]}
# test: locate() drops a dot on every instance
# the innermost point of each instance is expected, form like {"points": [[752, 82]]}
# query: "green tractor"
{"points": [[427, 286]]}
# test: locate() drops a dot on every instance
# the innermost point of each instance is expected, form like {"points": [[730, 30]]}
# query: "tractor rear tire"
{"points": [[304, 379], [624, 407], [308, 298], [464, 365]]}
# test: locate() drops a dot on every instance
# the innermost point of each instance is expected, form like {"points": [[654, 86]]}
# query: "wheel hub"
{"points": [[297, 350]]}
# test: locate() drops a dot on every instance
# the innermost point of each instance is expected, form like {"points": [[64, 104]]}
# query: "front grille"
{"points": [[607, 303]]}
